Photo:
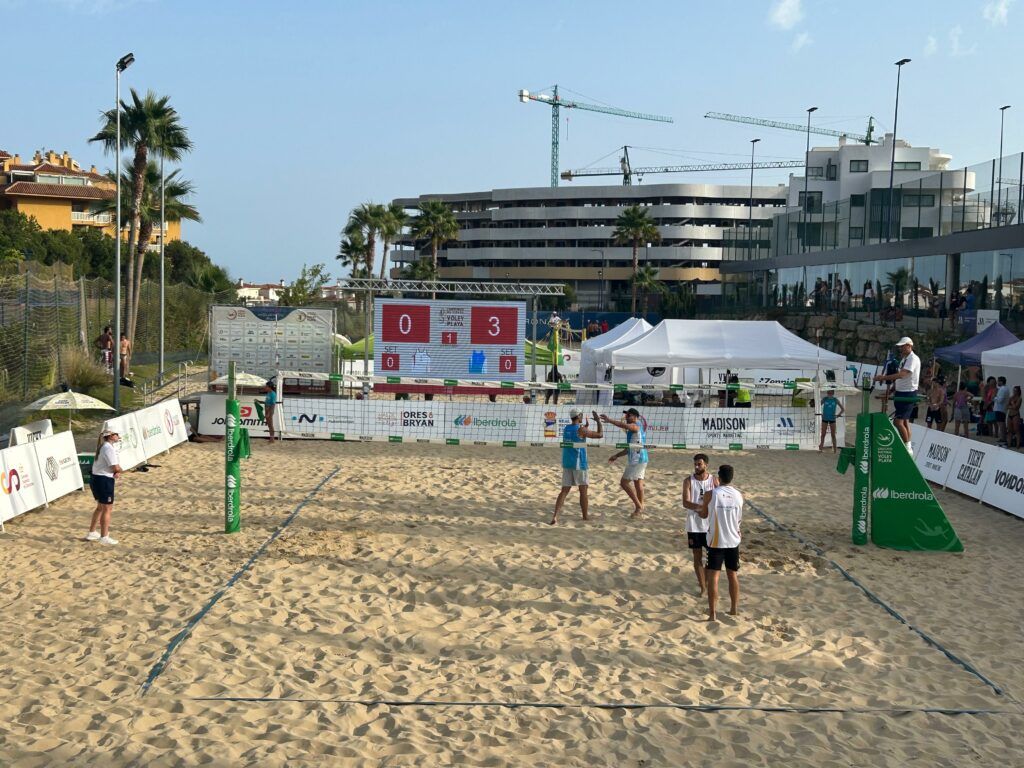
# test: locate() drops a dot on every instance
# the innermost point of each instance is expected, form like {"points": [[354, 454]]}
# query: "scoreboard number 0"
{"points": [[405, 323]]}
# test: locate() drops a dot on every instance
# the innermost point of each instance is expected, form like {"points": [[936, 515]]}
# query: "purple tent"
{"points": [[969, 352]]}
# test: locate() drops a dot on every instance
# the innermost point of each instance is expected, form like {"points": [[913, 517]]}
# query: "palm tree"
{"points": [[367, 219], [421, 269], [437, 224], [898, 283], [646, 280], [632, 228], [175, 209], [148, 123], [352, 255], [392, 223]]}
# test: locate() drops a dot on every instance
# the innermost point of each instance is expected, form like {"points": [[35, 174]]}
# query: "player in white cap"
{"points": [[574, 460], [907, 379]]}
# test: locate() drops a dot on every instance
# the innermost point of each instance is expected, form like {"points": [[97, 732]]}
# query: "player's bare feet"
{"points": [[821, 448], [712, 617], [553, 521], [734, 612]]}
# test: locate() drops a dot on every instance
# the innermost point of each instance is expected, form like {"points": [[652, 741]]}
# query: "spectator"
{"points": [[604, 326], [869, 297], [1014, 436], [987, 413], [105, 344], [845, 297], [961, 409], [1000, 405], [553, 377]]}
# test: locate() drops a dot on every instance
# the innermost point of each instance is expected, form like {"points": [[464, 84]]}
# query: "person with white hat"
{"points": [[106, 468], [574, 460], [907, 378]]}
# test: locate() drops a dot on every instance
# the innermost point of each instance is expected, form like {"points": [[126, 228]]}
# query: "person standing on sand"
{"points": [[723, 509], [106, 469], [574, 460], [695, 488], [270, 405], [632, 481], [907, 379], [829, 404], [126, 354]]}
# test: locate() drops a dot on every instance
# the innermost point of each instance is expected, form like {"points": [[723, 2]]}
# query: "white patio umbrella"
{"points": [[73, 401]]}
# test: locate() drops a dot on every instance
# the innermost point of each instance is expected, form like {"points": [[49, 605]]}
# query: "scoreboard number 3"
{"points": [[494, 325]]}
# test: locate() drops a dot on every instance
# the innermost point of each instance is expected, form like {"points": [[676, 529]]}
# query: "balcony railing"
{"points": [[81, 217]]}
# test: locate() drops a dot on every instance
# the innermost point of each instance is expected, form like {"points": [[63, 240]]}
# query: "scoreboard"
{"points": [[449, 339]]}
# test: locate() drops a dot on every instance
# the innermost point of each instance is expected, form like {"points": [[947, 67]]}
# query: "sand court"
{"points": [[426, 577]]}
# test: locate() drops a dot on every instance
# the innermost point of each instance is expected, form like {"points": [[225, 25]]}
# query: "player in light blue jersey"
{"points": [[632, 481], [574, 460]]}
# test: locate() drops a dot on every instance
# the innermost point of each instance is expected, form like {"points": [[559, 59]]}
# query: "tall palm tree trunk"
{"points": [[433, 261], [145, 232], [384, 257], [371, 247], [636, 267], [138, 176]]}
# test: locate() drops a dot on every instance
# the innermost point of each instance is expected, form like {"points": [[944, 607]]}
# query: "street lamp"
{"points": [[163, 232], [122, 64], [999, 184], [807, 158], [600, 274], [892, 158], [750, 207]]}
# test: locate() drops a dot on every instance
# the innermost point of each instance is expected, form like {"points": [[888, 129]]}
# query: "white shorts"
{"points": [[571, 477], [634, 471]]}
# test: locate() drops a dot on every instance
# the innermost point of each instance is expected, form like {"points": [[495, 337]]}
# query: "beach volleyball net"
{"points": [[743, 415]]}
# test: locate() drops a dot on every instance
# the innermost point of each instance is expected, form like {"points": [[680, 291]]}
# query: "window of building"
{"points": [[830, 171], [858, 166], [918, 201], [913, 233], [907, 166], [813, 202], [856, 233], [856, 201], [815, 172]]}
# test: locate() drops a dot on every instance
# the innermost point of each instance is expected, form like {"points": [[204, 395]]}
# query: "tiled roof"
{"points": [[66, 191], [4, 155], [56, 170]]}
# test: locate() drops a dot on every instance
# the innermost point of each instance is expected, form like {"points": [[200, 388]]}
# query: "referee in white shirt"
{"points": [[907, 380]]}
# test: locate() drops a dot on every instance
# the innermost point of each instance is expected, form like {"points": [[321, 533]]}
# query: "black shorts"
{"points": [[717, 556], [904, 409], [697, 540], [826, 421], [102, 489], [934, 416], [1000, 417]]}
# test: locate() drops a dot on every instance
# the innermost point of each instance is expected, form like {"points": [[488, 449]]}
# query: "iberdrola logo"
{"points": [[463, 421], [880, 493], [887, 493], [863, 467]]}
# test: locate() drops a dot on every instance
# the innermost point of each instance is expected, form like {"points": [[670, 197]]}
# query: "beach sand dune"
{"points": [[418, 610]]}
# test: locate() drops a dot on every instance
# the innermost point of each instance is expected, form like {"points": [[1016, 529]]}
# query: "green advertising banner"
{"points": [[904, 512], [862, 480]]}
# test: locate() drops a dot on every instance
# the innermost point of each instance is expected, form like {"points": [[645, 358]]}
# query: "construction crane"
{"points": [[865, 139], [556, 102], [627, 171]]}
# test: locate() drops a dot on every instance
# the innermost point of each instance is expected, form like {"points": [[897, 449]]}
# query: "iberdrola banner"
{"points": [[904, 512]]}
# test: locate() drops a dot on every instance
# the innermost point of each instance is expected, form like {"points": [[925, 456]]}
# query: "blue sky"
{"points": [[300, 110]]}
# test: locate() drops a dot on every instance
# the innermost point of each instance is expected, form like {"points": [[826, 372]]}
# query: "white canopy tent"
{"points": [[1005, 361], [733, 344], [591, 367]]}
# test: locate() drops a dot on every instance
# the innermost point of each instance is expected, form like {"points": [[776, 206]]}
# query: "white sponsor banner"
{"points": [[26, 433], [409, 419], [20, 480], [1005, 489], [986, 317], [467, 422], [971, 468], [130, 450], [6, 510], [251, 410], [174, 424], [58, 463], [152, 430], [934, 452], [264, 340]]}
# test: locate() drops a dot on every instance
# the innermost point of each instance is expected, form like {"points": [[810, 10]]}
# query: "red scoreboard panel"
{"points": [[449, 339]]}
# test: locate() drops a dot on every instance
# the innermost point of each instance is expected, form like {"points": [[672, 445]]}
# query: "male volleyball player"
{"points": [[574, 460], [695, 487], [723, 509], [632, 481]]}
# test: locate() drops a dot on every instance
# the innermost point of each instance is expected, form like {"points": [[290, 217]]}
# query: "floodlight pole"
{"points": [[892, 158], [163, 232]]}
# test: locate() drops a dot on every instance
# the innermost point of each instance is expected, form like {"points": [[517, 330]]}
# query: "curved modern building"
{"points": [[564, 234]]}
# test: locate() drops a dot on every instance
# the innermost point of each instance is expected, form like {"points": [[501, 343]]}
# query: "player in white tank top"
{"points": [[695, 488]]}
